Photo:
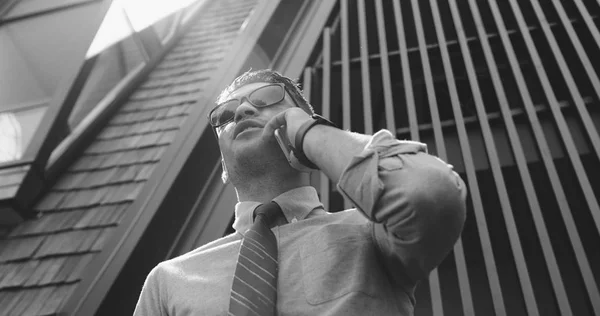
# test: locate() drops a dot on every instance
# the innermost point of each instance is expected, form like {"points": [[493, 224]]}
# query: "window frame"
{"points": [[54, 144], [5, 11], [16, 202]]}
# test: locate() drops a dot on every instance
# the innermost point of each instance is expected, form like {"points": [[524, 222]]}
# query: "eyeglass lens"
{"points": [[261, 97]]}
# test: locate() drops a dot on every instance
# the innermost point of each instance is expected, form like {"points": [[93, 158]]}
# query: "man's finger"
{"points": [[276, 122]]}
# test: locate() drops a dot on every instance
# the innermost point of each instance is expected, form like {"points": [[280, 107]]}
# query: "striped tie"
{"points": [[254, 289]]}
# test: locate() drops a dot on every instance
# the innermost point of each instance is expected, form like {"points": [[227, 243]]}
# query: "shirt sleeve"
{"points": [[415, 201], [150, 302]]}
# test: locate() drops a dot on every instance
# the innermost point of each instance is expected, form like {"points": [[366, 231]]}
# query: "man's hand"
{"points": [[292, 119], [331, 149]]}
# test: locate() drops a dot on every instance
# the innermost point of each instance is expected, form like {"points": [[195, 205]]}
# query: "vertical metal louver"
{"points": [[508, 92]]}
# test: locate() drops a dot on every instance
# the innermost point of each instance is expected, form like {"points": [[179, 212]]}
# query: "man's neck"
{"points": [[269, 186]]}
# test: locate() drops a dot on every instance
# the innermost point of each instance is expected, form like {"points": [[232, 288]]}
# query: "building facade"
{"points": [[122, 171]]}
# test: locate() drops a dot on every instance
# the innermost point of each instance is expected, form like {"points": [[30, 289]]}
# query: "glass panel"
{"points": [[33, 56], [111, 66], [115, 27], [47, 43], [33, 6], [16, 130], [123, 19], [19, 82], [35, 51]]}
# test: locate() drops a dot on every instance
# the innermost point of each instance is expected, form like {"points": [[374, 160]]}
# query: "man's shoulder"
{"points": [[209, 251], [213, 245]]}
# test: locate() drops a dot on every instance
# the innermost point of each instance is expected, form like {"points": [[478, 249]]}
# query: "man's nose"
{"points": [[244, 110]]}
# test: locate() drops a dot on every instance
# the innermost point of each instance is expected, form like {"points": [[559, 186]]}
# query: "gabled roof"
{"points": [[42, 259]]}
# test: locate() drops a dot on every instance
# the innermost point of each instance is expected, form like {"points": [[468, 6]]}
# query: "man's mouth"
{"points": [[249, 129], [245, 127]]}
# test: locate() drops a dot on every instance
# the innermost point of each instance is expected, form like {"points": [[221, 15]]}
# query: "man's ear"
{"points": [[225, 174]]}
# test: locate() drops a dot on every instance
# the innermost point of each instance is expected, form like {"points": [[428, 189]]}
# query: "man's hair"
{"points": [[269, 76]]}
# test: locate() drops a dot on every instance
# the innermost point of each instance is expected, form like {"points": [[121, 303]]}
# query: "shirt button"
{"points": [[294, 220]]}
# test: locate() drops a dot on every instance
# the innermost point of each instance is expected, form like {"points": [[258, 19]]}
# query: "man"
{"points": [[410, 210]]}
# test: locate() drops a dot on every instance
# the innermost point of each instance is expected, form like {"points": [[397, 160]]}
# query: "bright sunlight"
{"points": [[127, 16]]}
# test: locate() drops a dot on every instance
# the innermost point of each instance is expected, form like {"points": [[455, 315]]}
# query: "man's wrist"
{"points": [[299, 140], [310, 146]]}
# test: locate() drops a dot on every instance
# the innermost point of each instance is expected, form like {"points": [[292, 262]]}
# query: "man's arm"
{"points": [[416, 201], [332, 149]]}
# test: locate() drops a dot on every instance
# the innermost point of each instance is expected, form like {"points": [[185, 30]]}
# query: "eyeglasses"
{"points": [[261, 97]]}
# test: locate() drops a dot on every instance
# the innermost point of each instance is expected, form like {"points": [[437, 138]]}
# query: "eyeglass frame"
{"points": [[282, 85]]}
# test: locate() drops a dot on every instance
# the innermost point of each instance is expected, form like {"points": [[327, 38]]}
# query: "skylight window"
{"points": [[44, 42], [128, 16]]}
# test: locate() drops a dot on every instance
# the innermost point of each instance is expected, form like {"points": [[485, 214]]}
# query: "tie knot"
{"points": [[268, 212]]}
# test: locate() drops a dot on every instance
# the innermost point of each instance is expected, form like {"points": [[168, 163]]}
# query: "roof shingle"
{"points": [[19, 248]]}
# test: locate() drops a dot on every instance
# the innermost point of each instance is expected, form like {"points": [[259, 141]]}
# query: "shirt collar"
{"points": [[296, 204]]}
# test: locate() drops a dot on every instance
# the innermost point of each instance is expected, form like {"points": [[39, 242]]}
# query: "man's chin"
{"points": [[255, 145], [247, 142]]}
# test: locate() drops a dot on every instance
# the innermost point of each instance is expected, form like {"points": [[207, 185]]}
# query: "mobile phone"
{"points": [[288, 150]]}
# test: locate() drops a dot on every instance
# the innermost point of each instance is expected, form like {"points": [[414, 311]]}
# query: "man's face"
{"points": [[243, 141]]}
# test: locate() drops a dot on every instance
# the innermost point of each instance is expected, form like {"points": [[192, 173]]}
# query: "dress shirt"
{"points": [[409, 211]]}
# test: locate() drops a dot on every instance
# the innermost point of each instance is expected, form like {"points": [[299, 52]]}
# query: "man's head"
{"points": [[269, 76], [241, 115]]}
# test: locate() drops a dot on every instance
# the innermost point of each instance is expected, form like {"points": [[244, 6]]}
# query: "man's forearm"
{"points": [[332, 149]]}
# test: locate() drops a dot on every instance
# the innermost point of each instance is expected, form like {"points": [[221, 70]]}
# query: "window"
{"points": [[62, 63], [34, 52], [37, 48], [117, 49]]}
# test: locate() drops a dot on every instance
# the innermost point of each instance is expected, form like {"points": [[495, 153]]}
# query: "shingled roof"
{"points": [[43, 259]]}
